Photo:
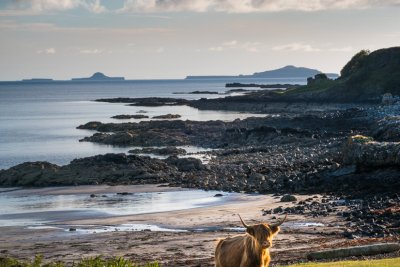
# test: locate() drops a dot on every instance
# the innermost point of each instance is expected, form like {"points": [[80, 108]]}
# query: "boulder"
{"points": [[186, 164], [364, 152], [288, 198]]}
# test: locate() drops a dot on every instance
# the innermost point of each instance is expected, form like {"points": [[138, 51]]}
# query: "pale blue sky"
{"points": [[173, 38]]}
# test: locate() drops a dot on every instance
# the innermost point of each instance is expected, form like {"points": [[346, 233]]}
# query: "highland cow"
{"points": [[248, 250]]}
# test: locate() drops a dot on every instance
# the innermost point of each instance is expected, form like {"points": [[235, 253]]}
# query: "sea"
{"points": [[38, 120]]}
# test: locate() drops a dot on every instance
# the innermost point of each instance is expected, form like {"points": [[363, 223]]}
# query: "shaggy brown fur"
{"points": [[248, 250]]}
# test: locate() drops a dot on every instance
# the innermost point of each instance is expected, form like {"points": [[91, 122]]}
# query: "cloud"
{"points": [[12, 25], [91, 51], [245, 6], [166, 5], [95, 7], [48, 51], [247, 46], [296, 47], [224, 46], [36, 7]]}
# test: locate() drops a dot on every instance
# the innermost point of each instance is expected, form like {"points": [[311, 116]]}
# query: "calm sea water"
{"points": [[27, 208], [38, 120]]}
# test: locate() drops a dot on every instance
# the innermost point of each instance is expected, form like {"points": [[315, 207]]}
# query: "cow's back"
{"points": [[230, 252]]}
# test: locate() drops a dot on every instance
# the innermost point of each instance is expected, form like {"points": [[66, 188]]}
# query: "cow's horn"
{"points": [[245, 225], [282, 221]]}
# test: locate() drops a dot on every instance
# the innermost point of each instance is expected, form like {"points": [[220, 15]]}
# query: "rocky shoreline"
{"points": [[347, 150]]}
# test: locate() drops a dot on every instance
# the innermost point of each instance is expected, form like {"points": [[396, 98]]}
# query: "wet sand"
{"points": [[192, 247]]}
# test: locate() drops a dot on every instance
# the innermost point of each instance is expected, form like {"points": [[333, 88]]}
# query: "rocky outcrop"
{"points": [[30, 174], [101, 169], [366, 153], [186, 164], [146, 101], [287, 153], [387, 129], [154, 137], [128, 116], [167, 116], [321, 77], [218, 134], [199, 93], [170, 151]]}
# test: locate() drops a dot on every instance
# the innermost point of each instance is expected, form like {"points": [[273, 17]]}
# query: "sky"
{"points": [[167, 39]]}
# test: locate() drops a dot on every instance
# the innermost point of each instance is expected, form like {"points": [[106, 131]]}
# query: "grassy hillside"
{"points": [[365, 77]]}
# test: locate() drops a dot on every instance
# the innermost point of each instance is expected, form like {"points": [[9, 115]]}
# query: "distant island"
{"points": [[98, 76], [285, 72]]}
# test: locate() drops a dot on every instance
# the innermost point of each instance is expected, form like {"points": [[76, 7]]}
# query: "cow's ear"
{"points": [[250, 230], [275, 229]]}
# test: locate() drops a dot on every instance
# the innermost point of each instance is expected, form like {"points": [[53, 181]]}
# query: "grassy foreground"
{"points": [[88, 262], [371, 263], [121, 262]]}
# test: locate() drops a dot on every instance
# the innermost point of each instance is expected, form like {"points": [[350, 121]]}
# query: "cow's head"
{"points": [[263, 232]]}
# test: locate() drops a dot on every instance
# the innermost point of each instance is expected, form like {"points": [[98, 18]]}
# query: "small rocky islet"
{"points": [[324, 138]]}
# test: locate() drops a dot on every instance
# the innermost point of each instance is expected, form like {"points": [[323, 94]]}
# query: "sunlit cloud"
{"points": [[245, 6], [12, 25], [36, 7]]}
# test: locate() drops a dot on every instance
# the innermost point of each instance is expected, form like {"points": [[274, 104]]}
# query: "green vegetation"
{"points": [[355, 63], [361, 139], [87, 262], [317, 87], [369, 263], [365, 78]]}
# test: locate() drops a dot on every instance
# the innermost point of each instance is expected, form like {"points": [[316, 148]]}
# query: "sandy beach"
{"points": [[189, 238]]}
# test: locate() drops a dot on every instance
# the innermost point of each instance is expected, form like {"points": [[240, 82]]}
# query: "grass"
{"points": [[370, 263], [122, 262], [317, 87], [86, 262]]}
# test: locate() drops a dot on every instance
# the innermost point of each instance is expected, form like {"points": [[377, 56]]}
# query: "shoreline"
{"points": [[170, 248], [319, 153]]}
